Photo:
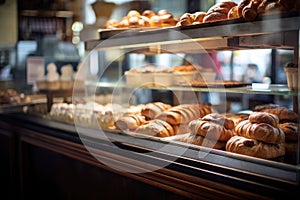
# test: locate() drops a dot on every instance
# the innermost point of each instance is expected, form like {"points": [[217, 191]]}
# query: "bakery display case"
{"points": [[161, 124], [276, 31]]}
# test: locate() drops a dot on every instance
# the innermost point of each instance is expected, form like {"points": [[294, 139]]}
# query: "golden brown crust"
{"points": [[263, 117], [148, 13], [236, 117], [130, 122], [202, 141], [210, 130], [260, 131], [252, 147], [290, 130], [283, 114], [219, 119], [198, 16], [219, 11], [151, 110], [212, 17], [156, 128], [233, 13], [183, 114]]}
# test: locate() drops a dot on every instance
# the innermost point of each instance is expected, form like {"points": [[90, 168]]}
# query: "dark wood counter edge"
{"points": [[187, 177]]}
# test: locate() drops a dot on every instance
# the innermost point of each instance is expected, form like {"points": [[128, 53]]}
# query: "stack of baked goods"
{"points": [[288, 122], [246, 9], [162, 120], [147, 18], [259, 136], [213, 130], [11, 96]]}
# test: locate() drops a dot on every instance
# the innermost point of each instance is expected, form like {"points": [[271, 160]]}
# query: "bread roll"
{"points": [[130, 122], [183, 114], [156, 127], [148, 13], [250, 11], [210, 130], [283, 114], [155, 21], [151, 110], [202, 141], [263, 117], [260, 131], [219, 119], [252, 147], [290, 130], [219, 11]]}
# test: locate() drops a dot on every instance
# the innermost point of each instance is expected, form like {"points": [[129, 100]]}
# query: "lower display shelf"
{"points": [[180, 165]]}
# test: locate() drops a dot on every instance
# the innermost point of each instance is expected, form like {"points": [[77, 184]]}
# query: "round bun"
{"points": [[133, 13], [148, 13], [252, 147]]}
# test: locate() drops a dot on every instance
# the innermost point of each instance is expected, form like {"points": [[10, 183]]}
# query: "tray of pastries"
{"points": [[214, 84]]}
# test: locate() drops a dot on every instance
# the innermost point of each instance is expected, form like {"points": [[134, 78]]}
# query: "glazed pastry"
{"points": [[252, 147], [263, 117], [260, 131]]}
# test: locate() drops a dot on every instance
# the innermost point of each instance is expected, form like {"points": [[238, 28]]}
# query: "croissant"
{"points": [[283, 114], [151, 110], [260, 131], [130, 122], [252, 147], [210, 130], [219, 11], [156, 127], [183, 114]]}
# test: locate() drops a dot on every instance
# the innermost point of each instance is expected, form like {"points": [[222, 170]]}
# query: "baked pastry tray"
{"points": [[107, 33], [214, 84]]}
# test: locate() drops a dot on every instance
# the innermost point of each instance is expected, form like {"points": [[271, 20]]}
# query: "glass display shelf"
{"points": [[273, 89]]}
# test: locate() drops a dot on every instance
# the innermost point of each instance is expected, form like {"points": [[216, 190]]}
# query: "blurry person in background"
{"points": [[252, 74]]}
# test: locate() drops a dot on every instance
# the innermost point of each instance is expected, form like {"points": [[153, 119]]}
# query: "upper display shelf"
{"points": [[268, 31]]}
